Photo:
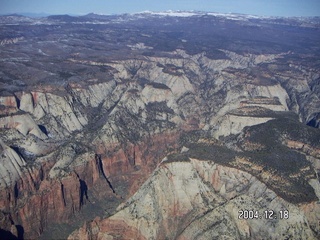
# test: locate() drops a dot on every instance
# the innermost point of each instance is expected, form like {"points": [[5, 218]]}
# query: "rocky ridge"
{"points": [[136, 111], [81, 133], [201, 200]]}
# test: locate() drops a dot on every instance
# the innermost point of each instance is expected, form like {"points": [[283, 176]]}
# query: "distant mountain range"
{"points": [[94, 18], [159, 125], [163, 13]]}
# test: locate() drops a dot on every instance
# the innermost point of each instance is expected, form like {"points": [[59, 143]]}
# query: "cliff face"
{"points": [[188, 198], [67, 145], [53, 168], [84, 128], [200, 200]]}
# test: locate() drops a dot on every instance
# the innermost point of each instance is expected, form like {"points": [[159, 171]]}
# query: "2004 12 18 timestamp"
{"points": [[266, 214]]}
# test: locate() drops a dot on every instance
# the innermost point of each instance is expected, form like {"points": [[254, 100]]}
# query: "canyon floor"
{"points": [[174, 125]]}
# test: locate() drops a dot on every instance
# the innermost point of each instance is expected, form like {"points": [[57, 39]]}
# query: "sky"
{"points": [[284, 8]]}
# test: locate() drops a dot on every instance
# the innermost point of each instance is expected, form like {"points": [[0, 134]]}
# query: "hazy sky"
{"points": [[257, 7]]}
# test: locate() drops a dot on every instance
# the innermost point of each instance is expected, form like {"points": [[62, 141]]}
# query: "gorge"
{"points": [[154, 126]]}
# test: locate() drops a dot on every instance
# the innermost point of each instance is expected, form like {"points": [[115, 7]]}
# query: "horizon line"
{"points": [[44, 14]]}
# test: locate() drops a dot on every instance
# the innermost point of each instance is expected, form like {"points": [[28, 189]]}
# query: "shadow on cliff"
{"points": [[7, 235], [83, 191]]}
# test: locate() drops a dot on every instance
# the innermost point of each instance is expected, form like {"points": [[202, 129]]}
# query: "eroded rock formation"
{"points": [[85, 125]]}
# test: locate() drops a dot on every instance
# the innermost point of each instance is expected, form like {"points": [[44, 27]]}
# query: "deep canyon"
{"points": [[159, 126]]}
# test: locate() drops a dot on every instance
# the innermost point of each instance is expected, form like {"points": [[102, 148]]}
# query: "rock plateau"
{"points": [[148, 126]]}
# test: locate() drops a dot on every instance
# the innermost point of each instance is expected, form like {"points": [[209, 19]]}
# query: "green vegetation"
{"points": [[178, 157], [143, 82], [288, 171], [159, 107]]}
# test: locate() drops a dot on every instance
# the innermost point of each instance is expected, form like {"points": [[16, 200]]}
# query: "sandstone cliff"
{"points": [[200, 200], [130, 124], [90, 106]]}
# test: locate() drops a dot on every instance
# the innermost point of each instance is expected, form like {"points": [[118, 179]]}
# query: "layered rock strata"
{"points": [[90, 106], [201, 200]]}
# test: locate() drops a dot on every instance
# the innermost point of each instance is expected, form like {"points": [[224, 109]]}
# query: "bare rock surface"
{"points": [[159, 126], [199, 200]]}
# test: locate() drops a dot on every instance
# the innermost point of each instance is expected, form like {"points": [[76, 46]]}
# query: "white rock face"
{"points": [[94, 94], [10, 165], [202, 200], [151, 94], [233, 124], [26, 102], [249, 95], [271, 92], [37, 147], [41, 105], [23, 123], [316, 186]]}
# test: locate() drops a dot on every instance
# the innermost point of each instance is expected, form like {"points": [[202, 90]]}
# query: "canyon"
{"points": [[118, 127]]}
